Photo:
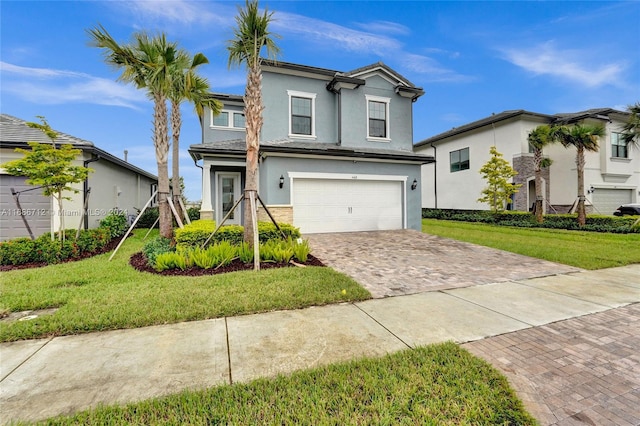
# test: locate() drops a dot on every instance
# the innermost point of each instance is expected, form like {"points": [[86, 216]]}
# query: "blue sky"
{"points": [[471, 58]]}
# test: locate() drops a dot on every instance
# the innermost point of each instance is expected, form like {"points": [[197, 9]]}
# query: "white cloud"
{"points": [[179, 11], [338, 36], [51, 86], [431, 69], [384, 27], [581, 67]]}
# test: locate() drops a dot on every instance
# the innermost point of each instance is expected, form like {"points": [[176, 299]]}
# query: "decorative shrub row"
{"points": [[24, 250], [163, 257], [595, 223], [195, 234]]}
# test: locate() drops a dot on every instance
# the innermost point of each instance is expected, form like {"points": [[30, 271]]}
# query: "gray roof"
{"points": [[14, 133], [562, 118], [238, 147]]}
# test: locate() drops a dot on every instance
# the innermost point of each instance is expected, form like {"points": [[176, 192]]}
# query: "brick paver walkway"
{"points": [[582, 371], [394, 263]]}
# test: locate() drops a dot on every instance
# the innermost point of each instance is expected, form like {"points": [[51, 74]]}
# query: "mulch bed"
{"points": [[110, 246], [139, 261]]}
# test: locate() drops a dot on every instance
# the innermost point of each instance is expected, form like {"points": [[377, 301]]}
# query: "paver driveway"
{"points": [[393, 263]]}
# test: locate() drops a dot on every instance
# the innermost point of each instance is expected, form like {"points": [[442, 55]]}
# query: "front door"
{"points": [[227, 194]]}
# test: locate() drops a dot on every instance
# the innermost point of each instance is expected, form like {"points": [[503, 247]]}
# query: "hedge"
{"points": [[594, 223], [195, 234], [150, 215], [20, 251]]}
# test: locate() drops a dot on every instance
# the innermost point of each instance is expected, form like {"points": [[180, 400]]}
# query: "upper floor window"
{"points": [[459, 160], [619, 148], [228, 119], [377, 118], [302, 114]]}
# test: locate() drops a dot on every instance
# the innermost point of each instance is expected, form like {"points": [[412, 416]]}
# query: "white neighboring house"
{"points": [[115, 184], [612, 175]]}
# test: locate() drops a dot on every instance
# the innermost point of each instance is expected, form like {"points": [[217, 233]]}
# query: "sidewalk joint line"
{"points": [[226, 329], [27, 359], [561, 294], [381, 325]]}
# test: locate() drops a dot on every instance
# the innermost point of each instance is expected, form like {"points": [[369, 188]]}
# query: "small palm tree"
{"points": [[186, 85], [631, 128], [251, 35], [583, 137], [538, 139]]}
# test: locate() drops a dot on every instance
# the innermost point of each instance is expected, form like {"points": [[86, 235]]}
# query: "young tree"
{"points": [[497, 172], [50, 167], [584, 137], [539, 138], [251, 35]]}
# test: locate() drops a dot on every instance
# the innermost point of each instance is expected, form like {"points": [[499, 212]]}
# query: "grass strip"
{"points": [[96, 295], [439, 384], [587, 250]]}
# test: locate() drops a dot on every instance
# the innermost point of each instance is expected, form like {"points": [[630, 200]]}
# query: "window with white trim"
{"points": [[378, 118], [619, 147], [459, 160], [302, 108], [229, 120]]}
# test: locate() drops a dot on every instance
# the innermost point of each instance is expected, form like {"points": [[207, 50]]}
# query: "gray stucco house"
{"points": [[336, 151], [114, 183]]}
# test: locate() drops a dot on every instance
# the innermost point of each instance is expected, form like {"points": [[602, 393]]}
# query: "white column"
{"points": [[206, 208]]}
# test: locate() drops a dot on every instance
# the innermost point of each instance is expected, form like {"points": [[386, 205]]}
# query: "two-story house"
{"points": [[612, 175], [336, 150]]}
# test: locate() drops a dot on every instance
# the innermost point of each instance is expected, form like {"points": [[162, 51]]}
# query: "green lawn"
{"points": [[96, 295], [434, 385], [588, 250]]}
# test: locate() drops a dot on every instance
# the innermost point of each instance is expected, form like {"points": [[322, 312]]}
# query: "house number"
{"points": [[354, 177]]}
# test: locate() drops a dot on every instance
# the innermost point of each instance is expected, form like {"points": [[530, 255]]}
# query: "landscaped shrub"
{"points": [[170, 260], [245, 253], [116, 223], [148, 218], [595, 223], [155, 247], [193, 213], [198, 232], [17, 252], [301, 249]]}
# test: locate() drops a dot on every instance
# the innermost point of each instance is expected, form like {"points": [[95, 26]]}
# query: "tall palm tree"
{"points": [[583, 137], [147, 62], [186, 85], [251, 35], [539, 138]]}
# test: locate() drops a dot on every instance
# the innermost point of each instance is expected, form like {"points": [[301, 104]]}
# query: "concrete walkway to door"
{"points": [[394, 263]]}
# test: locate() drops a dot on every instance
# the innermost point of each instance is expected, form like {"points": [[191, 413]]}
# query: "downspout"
{"points": [[339, 93], [435, 176], [85, 190]]}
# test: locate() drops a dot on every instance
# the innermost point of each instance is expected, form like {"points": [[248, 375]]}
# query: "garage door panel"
{"points": [[606, 201], [328, 205], [36, 206]]}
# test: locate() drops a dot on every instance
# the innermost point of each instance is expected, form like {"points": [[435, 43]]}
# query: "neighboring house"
{"points": [[612, 175], [335, 150], [114, 184]]}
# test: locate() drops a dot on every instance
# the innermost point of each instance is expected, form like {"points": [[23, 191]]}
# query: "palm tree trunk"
{"points": [[176, 125], [582, 215], [253, 115], [161, 142], [537, 160]]}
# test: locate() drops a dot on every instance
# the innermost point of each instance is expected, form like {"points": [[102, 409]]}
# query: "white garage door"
{"points": [[334, 205], [606, 201], [35, 206]]}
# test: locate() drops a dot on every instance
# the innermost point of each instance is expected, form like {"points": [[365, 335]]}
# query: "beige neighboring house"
{"points": [[612, 175], [114, 184]]}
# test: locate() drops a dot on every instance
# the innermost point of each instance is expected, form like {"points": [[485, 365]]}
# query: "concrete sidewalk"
{"points": [[48, 377]]}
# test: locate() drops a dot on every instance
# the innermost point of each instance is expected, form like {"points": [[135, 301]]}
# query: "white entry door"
{"points": [[227, 194], [337, 205]]}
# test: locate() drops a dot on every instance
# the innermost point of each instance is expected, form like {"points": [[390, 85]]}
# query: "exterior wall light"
{"points": [[281, 182], [414, 185]]}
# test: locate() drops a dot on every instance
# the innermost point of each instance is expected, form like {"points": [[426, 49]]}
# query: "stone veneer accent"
{"points": [[282, 214], [523, 164]]}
